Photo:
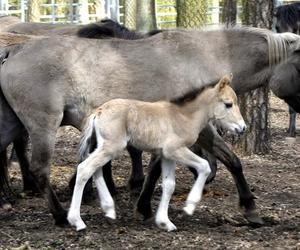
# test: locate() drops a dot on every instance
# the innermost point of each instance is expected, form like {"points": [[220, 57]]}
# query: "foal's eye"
{"points": [[228, 105]]}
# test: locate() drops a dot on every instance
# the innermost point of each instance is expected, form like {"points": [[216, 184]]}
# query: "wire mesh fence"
{"points": [[169, 13]]}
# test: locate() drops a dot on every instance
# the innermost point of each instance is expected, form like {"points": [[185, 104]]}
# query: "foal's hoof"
{"points": [[166, 225], [189, 208], [253, 218]]}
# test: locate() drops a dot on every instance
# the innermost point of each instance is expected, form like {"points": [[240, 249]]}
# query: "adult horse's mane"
{"points": [[277, 43], [108, 28]]}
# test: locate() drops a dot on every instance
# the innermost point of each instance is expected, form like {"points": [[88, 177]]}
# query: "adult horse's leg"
{"points": [[43, 142], [143, 205], [4, 183], [20, 147], [211, 141], [137, 174], [292, 125]]}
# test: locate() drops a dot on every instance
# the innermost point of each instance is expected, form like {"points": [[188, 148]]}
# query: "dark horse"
{"points": [[56, 89], [288, 20]]}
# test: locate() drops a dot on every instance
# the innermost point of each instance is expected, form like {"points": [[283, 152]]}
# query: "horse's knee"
{"points": [[204, 168]]}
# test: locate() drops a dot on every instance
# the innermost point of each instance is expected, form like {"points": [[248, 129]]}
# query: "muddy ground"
{"points": [[216, 224]]}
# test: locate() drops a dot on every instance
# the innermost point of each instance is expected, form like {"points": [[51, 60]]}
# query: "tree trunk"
{"points": [[84, 11], [229, 12], [191, 13], [145, 16], [34, 11], [254, 105]]}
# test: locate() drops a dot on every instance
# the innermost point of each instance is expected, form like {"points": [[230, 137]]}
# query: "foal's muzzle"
{"points": [[240, 128]]}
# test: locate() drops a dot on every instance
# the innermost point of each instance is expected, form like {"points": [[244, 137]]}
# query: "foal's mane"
{"points": [[191, 95]]}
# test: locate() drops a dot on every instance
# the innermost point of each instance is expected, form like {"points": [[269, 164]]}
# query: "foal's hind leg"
{"points": [[85, 170]]}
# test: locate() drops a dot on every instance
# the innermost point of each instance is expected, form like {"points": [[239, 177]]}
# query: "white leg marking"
{"points": [[84, 171], [188, 158], [106, 201], [168, 186]]}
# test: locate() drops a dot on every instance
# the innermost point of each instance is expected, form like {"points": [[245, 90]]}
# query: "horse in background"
{"points": [[167, 128], [288, 20]]}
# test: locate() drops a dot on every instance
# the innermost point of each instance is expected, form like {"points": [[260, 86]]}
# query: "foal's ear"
{"points": [[225, 80]]}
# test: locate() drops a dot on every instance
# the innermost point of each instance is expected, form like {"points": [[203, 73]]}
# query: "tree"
{"points": [[229, 12], [254, 105], [34, 10], [191, 13], [145, 15]]}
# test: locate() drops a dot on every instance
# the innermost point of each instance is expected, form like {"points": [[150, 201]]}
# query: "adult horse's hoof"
{"points": [[144, 210], [61, 220], [253, 218]]}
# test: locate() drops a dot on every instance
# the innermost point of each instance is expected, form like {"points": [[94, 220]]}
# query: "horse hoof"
{"points": [[254, 219], [61, 220], [189, 209], [145, 212], [167, 225]]}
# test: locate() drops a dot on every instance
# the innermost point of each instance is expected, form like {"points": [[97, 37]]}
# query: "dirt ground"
{"points": [[216, 224]]}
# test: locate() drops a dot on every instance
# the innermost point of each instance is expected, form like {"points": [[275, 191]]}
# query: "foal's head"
{"points": [[226, 112]]}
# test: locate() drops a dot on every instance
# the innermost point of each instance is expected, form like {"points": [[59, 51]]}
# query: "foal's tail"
{"points": [[88, 141]]}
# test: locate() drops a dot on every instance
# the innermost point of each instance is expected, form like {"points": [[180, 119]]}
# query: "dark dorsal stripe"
{"points": [[191, 95], [108, 28]]}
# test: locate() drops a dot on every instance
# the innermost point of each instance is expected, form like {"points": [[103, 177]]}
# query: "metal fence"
{"points": [[85, 11]]}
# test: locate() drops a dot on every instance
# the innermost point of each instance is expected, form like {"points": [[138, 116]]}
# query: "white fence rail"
{"points": [[84, 11]]}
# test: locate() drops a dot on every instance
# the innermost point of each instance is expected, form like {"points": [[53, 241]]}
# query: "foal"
{"points": [[166, 128]]}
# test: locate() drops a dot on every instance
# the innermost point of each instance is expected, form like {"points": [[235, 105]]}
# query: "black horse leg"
{"points": [[143, 205], [5, 191], [20, 146], [137, 174], [292, 125], [213, 143]]}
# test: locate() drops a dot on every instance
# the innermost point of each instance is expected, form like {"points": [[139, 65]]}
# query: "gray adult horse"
{"points": [[53, 82]]}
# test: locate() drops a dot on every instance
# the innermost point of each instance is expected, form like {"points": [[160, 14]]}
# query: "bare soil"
{"points": [[216, 224]]}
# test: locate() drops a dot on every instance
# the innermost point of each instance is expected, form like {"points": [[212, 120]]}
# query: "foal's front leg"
{"points": [[168, 187], [188, 158]]}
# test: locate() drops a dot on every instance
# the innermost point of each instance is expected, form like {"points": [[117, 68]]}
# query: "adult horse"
{"points": [[287, 20], [12, 130], [57, 90]]}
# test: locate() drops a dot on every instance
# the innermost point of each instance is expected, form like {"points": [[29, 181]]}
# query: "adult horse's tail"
{"points": [[88, 141]]}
